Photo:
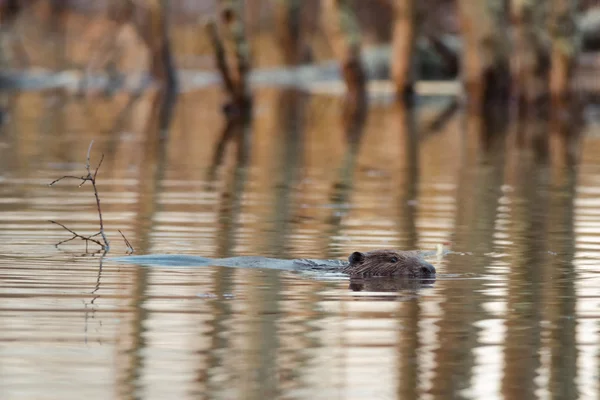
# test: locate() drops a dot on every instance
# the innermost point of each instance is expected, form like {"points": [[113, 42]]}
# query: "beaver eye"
{"points": [[394, 259]]}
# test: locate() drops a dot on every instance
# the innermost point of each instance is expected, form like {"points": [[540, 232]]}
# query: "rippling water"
{"points": [[514, 315]]}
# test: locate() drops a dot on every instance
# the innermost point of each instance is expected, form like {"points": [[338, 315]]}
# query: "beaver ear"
{"points": [[356, 257]]}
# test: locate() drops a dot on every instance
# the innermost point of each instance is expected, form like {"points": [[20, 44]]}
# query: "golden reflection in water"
{"points": [[517, 318]]}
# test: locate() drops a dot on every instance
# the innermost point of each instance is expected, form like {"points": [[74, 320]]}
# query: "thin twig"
{"points": [[76, 235], [93, 179], [130, 249], [83, 178], [87, 163], [97, 287]]}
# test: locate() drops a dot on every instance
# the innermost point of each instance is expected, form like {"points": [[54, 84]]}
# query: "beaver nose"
{"points": [[428, 269]]}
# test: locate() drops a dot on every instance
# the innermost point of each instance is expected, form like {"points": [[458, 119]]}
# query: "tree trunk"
{"points": [[531, 56], [234, 67], [406, 28], [566, 111], [343, 34], [288, 28], [485, 66], [565, 47]]}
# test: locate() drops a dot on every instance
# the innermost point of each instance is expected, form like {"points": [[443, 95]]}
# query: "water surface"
{"points": [[515, 317]]}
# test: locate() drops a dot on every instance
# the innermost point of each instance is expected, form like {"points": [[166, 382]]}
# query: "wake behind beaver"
{"points": [[375, 263]]}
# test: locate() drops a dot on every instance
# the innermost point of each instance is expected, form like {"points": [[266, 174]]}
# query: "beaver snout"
{"points": [[427, 269]]}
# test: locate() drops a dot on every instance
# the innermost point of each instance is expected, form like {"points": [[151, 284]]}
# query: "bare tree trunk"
{"points": [[485, 64], [565, 139], [406, 27], [343, 34], [531, 55], [151, 23], [153, 27], [288, 27], [17, 55], [566, 110], [235, 77], [150, 18], [565, 47]]}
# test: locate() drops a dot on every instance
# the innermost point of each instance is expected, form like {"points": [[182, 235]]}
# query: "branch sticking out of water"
{"points": [[91, 177], [76, 235], [130, 249]]}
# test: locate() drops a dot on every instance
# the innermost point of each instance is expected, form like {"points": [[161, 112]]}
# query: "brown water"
{"points": [[515, 318]]}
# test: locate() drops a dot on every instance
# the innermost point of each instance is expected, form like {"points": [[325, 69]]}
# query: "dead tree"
{"points": [[531, 54], [151, 23], [288, 28], [485, 64], [150, 20], [231, 48], [565, 48], [530, 70], [406, 29], [9, 11], [343, 34]]}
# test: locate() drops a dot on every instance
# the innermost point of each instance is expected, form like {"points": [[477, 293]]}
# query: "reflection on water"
{"points": [[513, 315]]}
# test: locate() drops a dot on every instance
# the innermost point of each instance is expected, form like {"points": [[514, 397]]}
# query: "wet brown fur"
{"points": [[389, 263]]}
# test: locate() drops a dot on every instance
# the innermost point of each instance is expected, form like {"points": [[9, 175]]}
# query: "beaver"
{"points": [[381, 263]]}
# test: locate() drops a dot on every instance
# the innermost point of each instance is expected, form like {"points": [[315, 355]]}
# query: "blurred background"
{"points": [[300, 129]]}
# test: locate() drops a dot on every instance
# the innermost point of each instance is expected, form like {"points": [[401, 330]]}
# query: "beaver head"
{"points": [[389, 263]]}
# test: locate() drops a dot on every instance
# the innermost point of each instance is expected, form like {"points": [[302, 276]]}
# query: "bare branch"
{"points": [[130, 249], [81, 178], [99, 164], [87, 163], [76, 236], [92, 178]]}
